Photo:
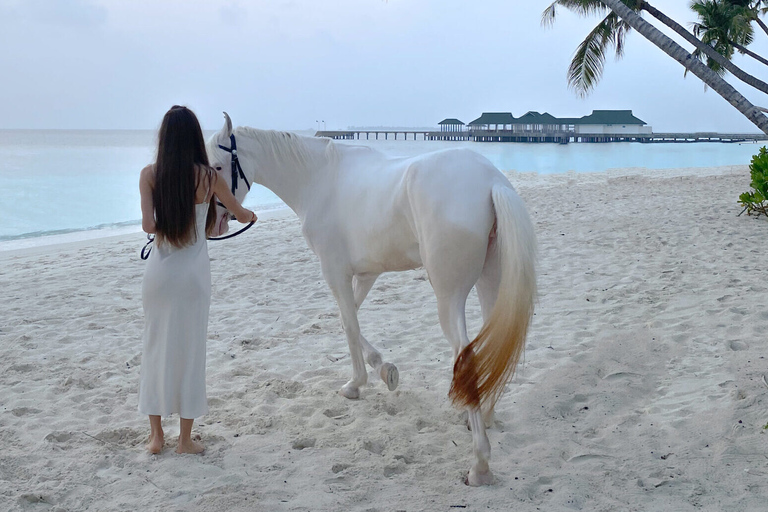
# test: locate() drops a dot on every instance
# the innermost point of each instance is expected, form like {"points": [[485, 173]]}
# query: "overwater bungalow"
{"points": [[451, 125], [599, 126], [493, 121]]}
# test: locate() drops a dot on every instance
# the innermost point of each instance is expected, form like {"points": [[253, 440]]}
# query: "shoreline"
{"points": [[640, 388], [90, 236], [34, 244]]}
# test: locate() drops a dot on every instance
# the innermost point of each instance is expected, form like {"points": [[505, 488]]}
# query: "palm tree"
{"points": [[755, 10], [587, 65], [588, 62], [725, 25], [694, 65]]}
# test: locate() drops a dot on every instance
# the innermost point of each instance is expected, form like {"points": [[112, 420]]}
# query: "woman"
{"points": [[177, 206]]}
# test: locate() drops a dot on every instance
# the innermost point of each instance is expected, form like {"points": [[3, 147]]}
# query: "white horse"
{"points": [[363, 213]]}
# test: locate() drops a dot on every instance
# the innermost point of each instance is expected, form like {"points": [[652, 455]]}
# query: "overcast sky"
{"points": [[287, 64]]}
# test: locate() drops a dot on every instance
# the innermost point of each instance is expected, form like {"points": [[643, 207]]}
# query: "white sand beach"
{"points": [[641, 386]]}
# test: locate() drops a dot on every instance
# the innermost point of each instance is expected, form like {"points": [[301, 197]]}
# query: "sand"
{"points": [[641, 387]]}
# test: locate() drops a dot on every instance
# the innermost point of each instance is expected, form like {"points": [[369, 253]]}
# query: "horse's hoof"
{"points": [[476, 479], [351, 392], [390, 375]]}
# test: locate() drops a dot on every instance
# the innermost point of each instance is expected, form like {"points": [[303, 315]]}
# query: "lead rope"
{"points": [[237, 172], [147, 248]]}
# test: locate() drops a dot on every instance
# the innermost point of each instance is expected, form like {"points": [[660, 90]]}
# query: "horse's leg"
{"points": [[361, 284], [487, 291], [452, 286], [340, 284], [453, 322]]}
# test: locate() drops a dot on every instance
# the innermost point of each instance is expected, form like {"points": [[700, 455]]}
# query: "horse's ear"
{"points": [[227, 129]]}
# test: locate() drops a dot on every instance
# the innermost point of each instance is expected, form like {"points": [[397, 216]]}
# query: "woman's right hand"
{"points": [[245, 216], [222, 192]]}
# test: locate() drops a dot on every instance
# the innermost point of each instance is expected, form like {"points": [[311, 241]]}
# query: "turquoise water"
{"points": [[582, 157], [55, 182]]}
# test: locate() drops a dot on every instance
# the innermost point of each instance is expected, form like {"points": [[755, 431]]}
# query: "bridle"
{"points": [[237, 171], [237, 174]]}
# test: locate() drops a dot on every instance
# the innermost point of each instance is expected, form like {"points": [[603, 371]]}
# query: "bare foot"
{"points": [[190, 446], [156, 442]]}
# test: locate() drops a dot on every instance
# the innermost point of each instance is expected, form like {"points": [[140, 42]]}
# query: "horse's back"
{"points": [[453, 188], [389, 214]]}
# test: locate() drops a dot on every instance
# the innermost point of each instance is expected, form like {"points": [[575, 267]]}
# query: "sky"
{"points": [[308, 64]]}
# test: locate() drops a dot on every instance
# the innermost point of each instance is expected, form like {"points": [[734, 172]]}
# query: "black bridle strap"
{"points": [[237, 171], [147, 248], [243, 229]]}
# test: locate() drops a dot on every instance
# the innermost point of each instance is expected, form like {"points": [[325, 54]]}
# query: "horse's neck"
{"points": [[295, 168]]}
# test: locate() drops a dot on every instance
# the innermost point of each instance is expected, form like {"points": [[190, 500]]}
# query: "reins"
{"points": [[241, 230], [237, 172]]}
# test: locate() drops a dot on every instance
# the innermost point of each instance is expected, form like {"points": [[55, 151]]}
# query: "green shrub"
{"points": [[757, 201]]}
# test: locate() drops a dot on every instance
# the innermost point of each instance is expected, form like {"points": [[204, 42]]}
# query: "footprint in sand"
{"points": [[58, 437], [736, 345], [394, 469], [338, 468], [306, 442], [374, 447], [23, 411]]}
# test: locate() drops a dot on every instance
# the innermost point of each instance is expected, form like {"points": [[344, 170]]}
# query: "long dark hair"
{"points": [[181, 157]]}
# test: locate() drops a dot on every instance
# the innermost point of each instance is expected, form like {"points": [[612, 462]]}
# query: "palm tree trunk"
{"points": [[749, 52], [695, 66], [762, 25], [708, 50]]}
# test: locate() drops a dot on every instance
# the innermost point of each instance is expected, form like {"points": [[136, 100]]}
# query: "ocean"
{"points": [[69, 185]]}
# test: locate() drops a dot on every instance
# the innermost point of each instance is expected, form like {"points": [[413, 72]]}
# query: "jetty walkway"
{"points": [[539, 136]]}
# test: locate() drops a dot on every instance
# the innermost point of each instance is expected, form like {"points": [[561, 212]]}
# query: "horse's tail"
{"points": [[484, 367]]}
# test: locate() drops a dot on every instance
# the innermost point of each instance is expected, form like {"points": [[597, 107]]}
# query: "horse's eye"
{"points": [[218, 168]]}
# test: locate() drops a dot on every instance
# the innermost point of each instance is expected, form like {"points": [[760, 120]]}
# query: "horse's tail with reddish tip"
{"points": [[484, 367]]}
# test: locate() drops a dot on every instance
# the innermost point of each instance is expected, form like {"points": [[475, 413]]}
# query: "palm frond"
{"points": [[587, 65], [548, 16], [621, 32], [583, 7], [588, 61]]}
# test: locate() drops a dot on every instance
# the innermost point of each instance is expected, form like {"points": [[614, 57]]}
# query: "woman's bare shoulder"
{"points": [[148, 174]]}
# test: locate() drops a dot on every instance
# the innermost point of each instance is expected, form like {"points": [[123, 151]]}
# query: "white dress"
{"points": [[176, 294]]}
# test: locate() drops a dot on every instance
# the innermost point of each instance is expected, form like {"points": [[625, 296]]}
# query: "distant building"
{"points": [[534, 122], [451, 125], [611, 121], [493, 121], [598, 122]]}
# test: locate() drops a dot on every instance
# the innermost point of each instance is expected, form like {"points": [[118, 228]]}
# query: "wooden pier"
{"points": [[540, 136]]}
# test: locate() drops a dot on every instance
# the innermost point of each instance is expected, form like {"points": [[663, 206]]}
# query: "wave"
{"points": [[42, 233], [53, 236]]}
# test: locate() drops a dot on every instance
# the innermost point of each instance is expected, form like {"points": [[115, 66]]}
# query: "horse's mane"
{"points": [[291, 149]]}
